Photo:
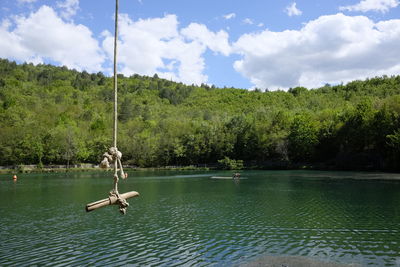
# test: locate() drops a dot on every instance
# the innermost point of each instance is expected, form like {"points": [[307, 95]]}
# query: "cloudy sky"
{"points": [[245, 44]]}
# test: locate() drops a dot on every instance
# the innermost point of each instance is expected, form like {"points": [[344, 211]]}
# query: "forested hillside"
{"points": [[51, 115]]}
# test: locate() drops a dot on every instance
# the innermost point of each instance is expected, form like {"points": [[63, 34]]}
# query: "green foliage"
{"points": [[51, 115], [230, 164], [303, 139], [394, 140], [297, 91]]}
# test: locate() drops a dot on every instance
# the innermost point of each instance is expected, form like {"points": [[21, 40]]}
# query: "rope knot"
{"points": [[122, 203], [113, 156], [113, 151]]}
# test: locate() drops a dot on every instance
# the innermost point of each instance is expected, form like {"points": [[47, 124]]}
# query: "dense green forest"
{"points": [[51, 115]]}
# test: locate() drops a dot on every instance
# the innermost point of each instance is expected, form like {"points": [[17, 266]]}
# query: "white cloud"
{"points": [[248, 21], [372, 5], [10, 45], [229, 16], [292, 10], [45, 36], [68, 8], [217, 42], [330, 49], [157, 45]]}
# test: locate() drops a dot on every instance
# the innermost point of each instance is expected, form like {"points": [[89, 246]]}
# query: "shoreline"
{"points": [[90, 167], [367, 174]]}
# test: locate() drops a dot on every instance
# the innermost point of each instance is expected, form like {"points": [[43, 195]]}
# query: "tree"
{"points": [[303, 138], [55, 115], [230, 164]]}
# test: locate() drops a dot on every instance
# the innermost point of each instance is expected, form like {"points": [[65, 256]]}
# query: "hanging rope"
{"points": [[115, 75], [113, 156]]}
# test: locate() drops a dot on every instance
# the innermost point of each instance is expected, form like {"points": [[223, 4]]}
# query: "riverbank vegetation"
{"points": [[53, 115]]}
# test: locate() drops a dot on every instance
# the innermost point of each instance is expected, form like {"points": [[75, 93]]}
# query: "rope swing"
{"points": [[113, 156]]}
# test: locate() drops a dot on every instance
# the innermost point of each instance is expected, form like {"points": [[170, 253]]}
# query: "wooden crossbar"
{"points": [[112, 200]]}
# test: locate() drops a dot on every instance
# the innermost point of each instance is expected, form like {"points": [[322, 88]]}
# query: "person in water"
{"points": [[236, 175]]}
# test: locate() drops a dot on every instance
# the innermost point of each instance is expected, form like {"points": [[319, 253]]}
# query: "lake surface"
{"points": [[186, 218]]}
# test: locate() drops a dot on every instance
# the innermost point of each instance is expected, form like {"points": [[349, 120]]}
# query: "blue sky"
{"points": [[244, 44]]}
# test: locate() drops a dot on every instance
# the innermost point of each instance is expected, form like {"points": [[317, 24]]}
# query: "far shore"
{"points": [[365, 174], [84, 167]]}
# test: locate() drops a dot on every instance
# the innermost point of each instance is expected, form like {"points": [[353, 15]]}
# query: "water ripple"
{"points": [[192, 220]]}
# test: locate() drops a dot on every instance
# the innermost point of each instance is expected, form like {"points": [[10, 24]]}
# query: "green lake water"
{"points": [[186, 218]]}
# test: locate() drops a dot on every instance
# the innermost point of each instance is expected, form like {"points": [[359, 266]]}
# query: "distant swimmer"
{"points": [[236, 175]]}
